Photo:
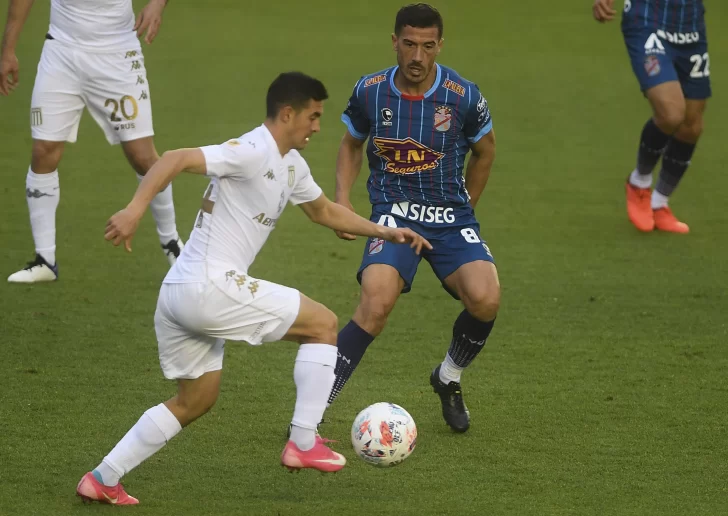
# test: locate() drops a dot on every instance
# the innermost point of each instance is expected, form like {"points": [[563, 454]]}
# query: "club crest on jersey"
{"points": [[406, 156], [291, 175], [387, 116], [652, 66], [443, 118], [376, 246], [375, 80], [454, 87]]}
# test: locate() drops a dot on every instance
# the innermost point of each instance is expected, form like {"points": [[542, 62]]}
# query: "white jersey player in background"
{"points": [[91, 58], [208, 295]]}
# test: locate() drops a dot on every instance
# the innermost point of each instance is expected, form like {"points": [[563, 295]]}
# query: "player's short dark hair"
{"points": [[293, 89], [422, 16]]}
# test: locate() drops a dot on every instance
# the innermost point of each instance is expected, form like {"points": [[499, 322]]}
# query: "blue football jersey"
{"points": [[417, 145], [677, 16]]}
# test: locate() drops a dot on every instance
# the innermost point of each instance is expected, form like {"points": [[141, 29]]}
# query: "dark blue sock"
{"points": [[352, 343], [674, 164], [652, 144], [468, 338]]}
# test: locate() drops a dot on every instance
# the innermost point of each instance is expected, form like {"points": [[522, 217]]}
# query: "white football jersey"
{"points": [[251, 184], [94, 25]]}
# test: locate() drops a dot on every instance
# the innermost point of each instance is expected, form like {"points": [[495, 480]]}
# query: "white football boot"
{"points": [[36, 271]]}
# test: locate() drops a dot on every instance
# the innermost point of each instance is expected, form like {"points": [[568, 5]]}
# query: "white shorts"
{"points": [[193, 320], [112, 85]]}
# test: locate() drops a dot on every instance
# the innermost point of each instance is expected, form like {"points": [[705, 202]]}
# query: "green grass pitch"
{"points": [[602, 390]]}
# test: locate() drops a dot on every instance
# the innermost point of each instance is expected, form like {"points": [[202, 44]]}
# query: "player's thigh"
{"points": [[668, 105], [140, 153], [692, 63], [452, 249], [314, 324], [117, 94], [56, 104], [381, 286], [185, 353]]}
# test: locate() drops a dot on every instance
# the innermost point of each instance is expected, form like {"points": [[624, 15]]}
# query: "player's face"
{"points": [[306, 122], [416, 50]]}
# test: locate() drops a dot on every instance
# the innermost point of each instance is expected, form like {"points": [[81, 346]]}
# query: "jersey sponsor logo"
{"points": [[265, 221], [454, 87], [291, 175], [269, 175], [124, 127], [406, 156], [652, 66], [443, 118], [679, 38], [387, 116], [375, 80], [420, 213], [653, 45]]}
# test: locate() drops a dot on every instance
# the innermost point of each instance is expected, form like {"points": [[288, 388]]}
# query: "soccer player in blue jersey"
{"points": [[421, 119], [668, 47]]}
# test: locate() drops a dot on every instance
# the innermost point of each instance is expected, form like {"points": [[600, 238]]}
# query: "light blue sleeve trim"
{"points": [[485, 130], [356, 134]]}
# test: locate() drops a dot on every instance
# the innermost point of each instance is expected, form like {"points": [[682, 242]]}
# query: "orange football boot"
{"points": [[666, 221], [639, 210]]}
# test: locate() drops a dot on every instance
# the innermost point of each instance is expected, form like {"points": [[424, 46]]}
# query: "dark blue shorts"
{"points": [[660, 56], [455, 240]]}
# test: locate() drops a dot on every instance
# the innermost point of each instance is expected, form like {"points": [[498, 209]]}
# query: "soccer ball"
{"points": [[384, 434]]}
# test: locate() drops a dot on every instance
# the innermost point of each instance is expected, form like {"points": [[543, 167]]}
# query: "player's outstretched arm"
{"points": [[332, 215], [149, 20], [478, 171], [603, 10], [122, 225], [9, 67], [348, 165]]}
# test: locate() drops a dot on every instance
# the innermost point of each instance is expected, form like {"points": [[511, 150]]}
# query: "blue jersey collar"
{"points": [[429, 92]]}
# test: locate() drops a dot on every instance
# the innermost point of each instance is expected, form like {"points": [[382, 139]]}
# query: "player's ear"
{"points": [[394, 42], [439, 45]]}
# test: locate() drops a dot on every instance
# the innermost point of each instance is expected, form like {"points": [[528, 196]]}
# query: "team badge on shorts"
{"points": [[443, 118], [376, 246], [652, 66]]}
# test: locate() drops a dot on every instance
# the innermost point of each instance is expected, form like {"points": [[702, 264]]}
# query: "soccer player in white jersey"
{"points": [[208, 295], [91, 58]]}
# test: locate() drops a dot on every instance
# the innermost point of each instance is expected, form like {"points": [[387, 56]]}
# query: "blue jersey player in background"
{"points": [[421, 120], [668, 46]]}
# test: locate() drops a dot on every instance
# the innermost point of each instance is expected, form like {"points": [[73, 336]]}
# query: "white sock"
{"points": [[450, 371], [43, 192], [153, 430], [658, 200], [162, 207], [314, 377], [639, 180]]}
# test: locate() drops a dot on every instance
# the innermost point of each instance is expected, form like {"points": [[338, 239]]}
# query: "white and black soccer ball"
{"points": [[384, 434]]}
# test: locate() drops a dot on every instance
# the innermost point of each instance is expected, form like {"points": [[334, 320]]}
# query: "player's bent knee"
{"points": [[328, 327], [482, 305], [46, 156], [374, 313], [670, 118]]}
